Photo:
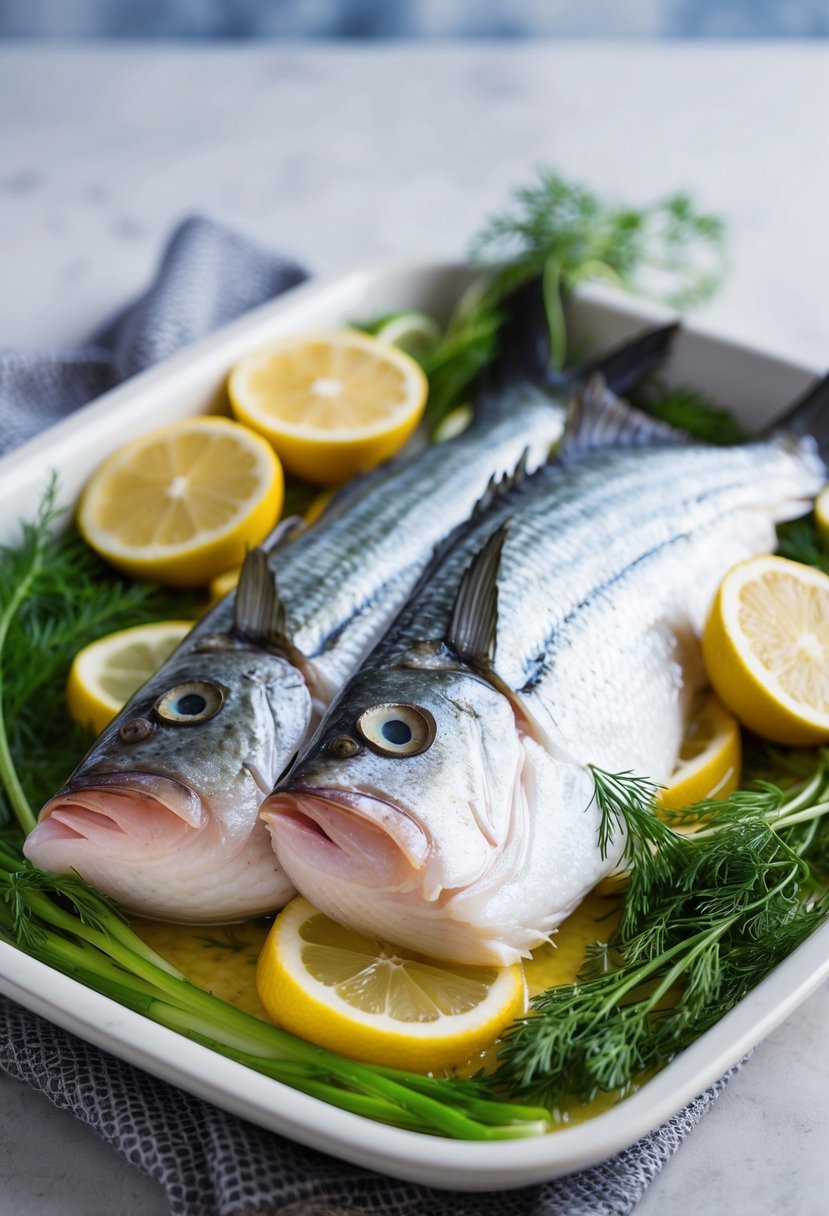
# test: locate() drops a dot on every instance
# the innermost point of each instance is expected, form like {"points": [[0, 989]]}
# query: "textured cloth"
{"points": [[209, 1162], [207, 276], [212, 1163]]}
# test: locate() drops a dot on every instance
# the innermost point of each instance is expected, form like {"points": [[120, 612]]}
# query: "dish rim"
{"points": [[413, 1156]]}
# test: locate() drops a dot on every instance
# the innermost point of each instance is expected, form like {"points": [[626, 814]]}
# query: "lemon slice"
{"points": [[183, 503], [374, 1002], [105, 674], [332, 404], [415, 332], [766, 648], [709, 759]]}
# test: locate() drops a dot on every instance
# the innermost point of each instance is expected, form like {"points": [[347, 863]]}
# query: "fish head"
{"points": [[431, 811], [409, 784], [174, 784]]}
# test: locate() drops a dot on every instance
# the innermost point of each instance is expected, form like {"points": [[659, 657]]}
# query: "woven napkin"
{"points": [[211, 1163]]}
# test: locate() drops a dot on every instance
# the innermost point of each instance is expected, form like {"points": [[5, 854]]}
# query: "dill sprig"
{"points": [[706, 916], [56, 596], [568, 235], [668, 248], [801, 541], [689, 410], [565, 234]]}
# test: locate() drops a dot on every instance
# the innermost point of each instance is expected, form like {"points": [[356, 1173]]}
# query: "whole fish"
{"points": [[446, 803], [162, 813]]}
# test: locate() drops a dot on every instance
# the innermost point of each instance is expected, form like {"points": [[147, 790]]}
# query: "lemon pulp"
{"points": [[183, 503], [766, 649], [376, 1002], [332, 404], [105, 674]]}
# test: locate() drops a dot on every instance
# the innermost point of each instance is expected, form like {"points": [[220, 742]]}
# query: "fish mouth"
{"points": [[110, 811], [346, 832]]}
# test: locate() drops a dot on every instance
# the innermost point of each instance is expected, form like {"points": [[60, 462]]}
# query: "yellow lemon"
{"points": [[222, 584], [105, 674], [371, 1001], [766, 649], [183, 503], [332, 404], [319, 505], [709, 759]]}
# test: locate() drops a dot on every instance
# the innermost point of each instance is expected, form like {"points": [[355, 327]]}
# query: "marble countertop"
{"points": [[349, 155]]}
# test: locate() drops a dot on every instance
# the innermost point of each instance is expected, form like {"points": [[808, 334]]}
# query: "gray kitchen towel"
{"points": [[208, 275], [209, 1162], [214, 1164]]}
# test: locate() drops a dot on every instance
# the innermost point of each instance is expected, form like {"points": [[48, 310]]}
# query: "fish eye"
{"points": [[397, 730], [190, 703]]}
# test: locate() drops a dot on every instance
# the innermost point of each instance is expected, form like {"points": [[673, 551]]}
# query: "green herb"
{"points": [[705, 918], [298, 496], [689, 410], [69, 926], [228, 941], [55, 597], [566, 235], [801, 541]]}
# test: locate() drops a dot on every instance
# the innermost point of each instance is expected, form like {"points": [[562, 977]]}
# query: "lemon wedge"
{"points": [[709, 759], [332, 404], [105, 674], [183, 503], [766, 649], [371, 1001]]}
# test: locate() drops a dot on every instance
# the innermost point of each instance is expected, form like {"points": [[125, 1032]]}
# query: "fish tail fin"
{"points": [[807, 416], [525, 350], [624, 365]]}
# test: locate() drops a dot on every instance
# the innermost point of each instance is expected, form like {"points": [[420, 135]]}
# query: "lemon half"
{"points": [[332, 404], [372, 1001], [105, 674], [183, 503], [709, 759], [766, 649]]}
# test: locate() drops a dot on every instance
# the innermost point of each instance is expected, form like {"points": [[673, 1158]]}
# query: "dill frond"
{"points": [[705, 918]]}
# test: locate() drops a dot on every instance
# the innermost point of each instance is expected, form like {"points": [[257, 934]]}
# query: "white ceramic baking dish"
{"points": [[754, 384]]}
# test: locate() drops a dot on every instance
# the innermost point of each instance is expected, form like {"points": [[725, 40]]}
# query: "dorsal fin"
{"points": [[258, 612], [474, 624], [598, 420], [497, 486]]}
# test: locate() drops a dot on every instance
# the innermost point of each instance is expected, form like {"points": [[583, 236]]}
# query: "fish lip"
{"points": [[400, 826], [180, 800]]}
